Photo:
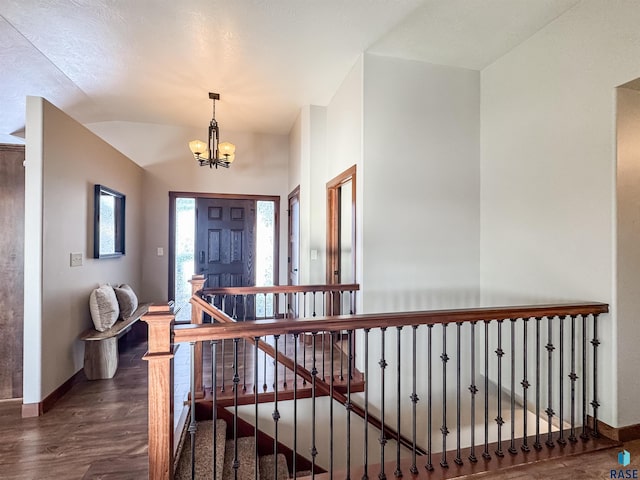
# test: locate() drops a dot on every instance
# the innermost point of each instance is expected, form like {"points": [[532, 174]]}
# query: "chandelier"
{"points": [[213, 153]]}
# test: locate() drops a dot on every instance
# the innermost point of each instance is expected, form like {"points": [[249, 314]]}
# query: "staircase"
{"points": [[224, 457]]}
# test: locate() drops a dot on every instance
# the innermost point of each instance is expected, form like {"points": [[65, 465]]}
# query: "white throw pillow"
{"points": [[104, 307], [127, 300]]}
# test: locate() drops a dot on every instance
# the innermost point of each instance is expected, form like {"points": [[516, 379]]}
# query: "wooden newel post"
{"points": [[160, 319], [197, 284]]}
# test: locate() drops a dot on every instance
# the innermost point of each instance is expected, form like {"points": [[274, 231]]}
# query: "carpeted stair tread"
{"points": [[267, 467], [246, 457], [204, 468]]}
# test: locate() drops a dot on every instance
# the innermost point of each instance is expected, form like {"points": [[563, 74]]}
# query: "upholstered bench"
{"points": [[101, 348]]}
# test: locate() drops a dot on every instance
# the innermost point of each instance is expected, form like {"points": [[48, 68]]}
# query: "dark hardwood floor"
{"points": [[99, 431]]}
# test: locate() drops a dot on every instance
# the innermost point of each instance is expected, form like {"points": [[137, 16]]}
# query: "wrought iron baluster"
{"points": [[414, 400], [214, 413], [331, 390], [537, 445], [458, 459], [244, 346], [473, 389], [236, 381], [549, 411], [223, 365], [295, 404], [445, 431], [429, 465], [573, 377], [398, 471], [276, 413], [365, 475], [594, 403], [383, 440], [264, 368], [561, 440], [499, 420], [584, 435], [192, 425], [348, 407], [512, 447], [485, 454], [525, 386], [255, 403], [314, 373]]}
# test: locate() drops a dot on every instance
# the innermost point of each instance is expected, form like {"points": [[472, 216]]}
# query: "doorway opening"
{"points": [[341, 233], [231, 239]]}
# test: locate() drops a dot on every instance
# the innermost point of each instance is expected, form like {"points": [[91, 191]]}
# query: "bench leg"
{"points": [[101, 358]]}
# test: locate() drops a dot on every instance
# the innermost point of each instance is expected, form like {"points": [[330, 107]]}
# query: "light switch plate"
{"points": [[160, 251], [75, 259], [314, 254]]}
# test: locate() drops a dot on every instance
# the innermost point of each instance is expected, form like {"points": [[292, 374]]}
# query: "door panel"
{"points": [[11, 269], [225, 248]]}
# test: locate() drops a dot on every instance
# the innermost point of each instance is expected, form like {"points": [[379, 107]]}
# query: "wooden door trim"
{"points": [[223, 196], [332, 225], [295, 193]]}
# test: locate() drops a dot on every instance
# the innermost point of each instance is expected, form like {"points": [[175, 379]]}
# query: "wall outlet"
{"points": [[75, 259]]}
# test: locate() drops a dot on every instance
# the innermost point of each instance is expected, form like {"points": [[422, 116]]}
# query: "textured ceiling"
{"points": [[155, 60]]}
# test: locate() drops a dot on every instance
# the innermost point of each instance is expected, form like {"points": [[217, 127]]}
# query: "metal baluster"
{"points": [[383, 440], [284, 369], [214, 412], [525, 387], [276, 413], [264, 368], [473, 390], [244, 346], [222, 364], [429, 465], [314, 373], [322, 340], [341, 357], [304, 357], [348, 407], [458, 459], [584, 435], [445, 431], [549, 411], [485, 454], [414, 400], [314, 304], [365, 475], [499, 420], [236, 381], [398, 471], [561, 440], [192, 425], [594, 403], [573, 377], [512, 447], [295, 404], [331, 387], [255, 403], [537, 445]]}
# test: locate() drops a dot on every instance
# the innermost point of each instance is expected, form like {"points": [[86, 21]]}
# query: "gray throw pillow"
{"points": [[127, 300], [104, 307]]}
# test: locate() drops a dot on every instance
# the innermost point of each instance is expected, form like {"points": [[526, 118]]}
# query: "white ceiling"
{"points": [[155, 61]]}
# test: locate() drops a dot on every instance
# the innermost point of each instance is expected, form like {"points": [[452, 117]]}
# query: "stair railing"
{"points": [[487, 362]]}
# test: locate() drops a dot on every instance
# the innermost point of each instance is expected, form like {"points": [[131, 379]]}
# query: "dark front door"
{"points": [[225, 248]]}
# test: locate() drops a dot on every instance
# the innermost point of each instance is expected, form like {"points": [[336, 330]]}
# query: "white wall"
{"points": [[64, 161], [421, 186], [261, 167], [628, 252], [548, 169]]}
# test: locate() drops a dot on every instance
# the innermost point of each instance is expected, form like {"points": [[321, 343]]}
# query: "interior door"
{"points": [[11, 269], [225, 249], [293, 260]]}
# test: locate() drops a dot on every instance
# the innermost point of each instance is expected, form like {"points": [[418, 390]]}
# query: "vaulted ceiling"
{"points": [[154, 61]]}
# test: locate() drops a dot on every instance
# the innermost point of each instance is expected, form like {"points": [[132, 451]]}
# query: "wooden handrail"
{"points": [[350, 287], [258, 328]]}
